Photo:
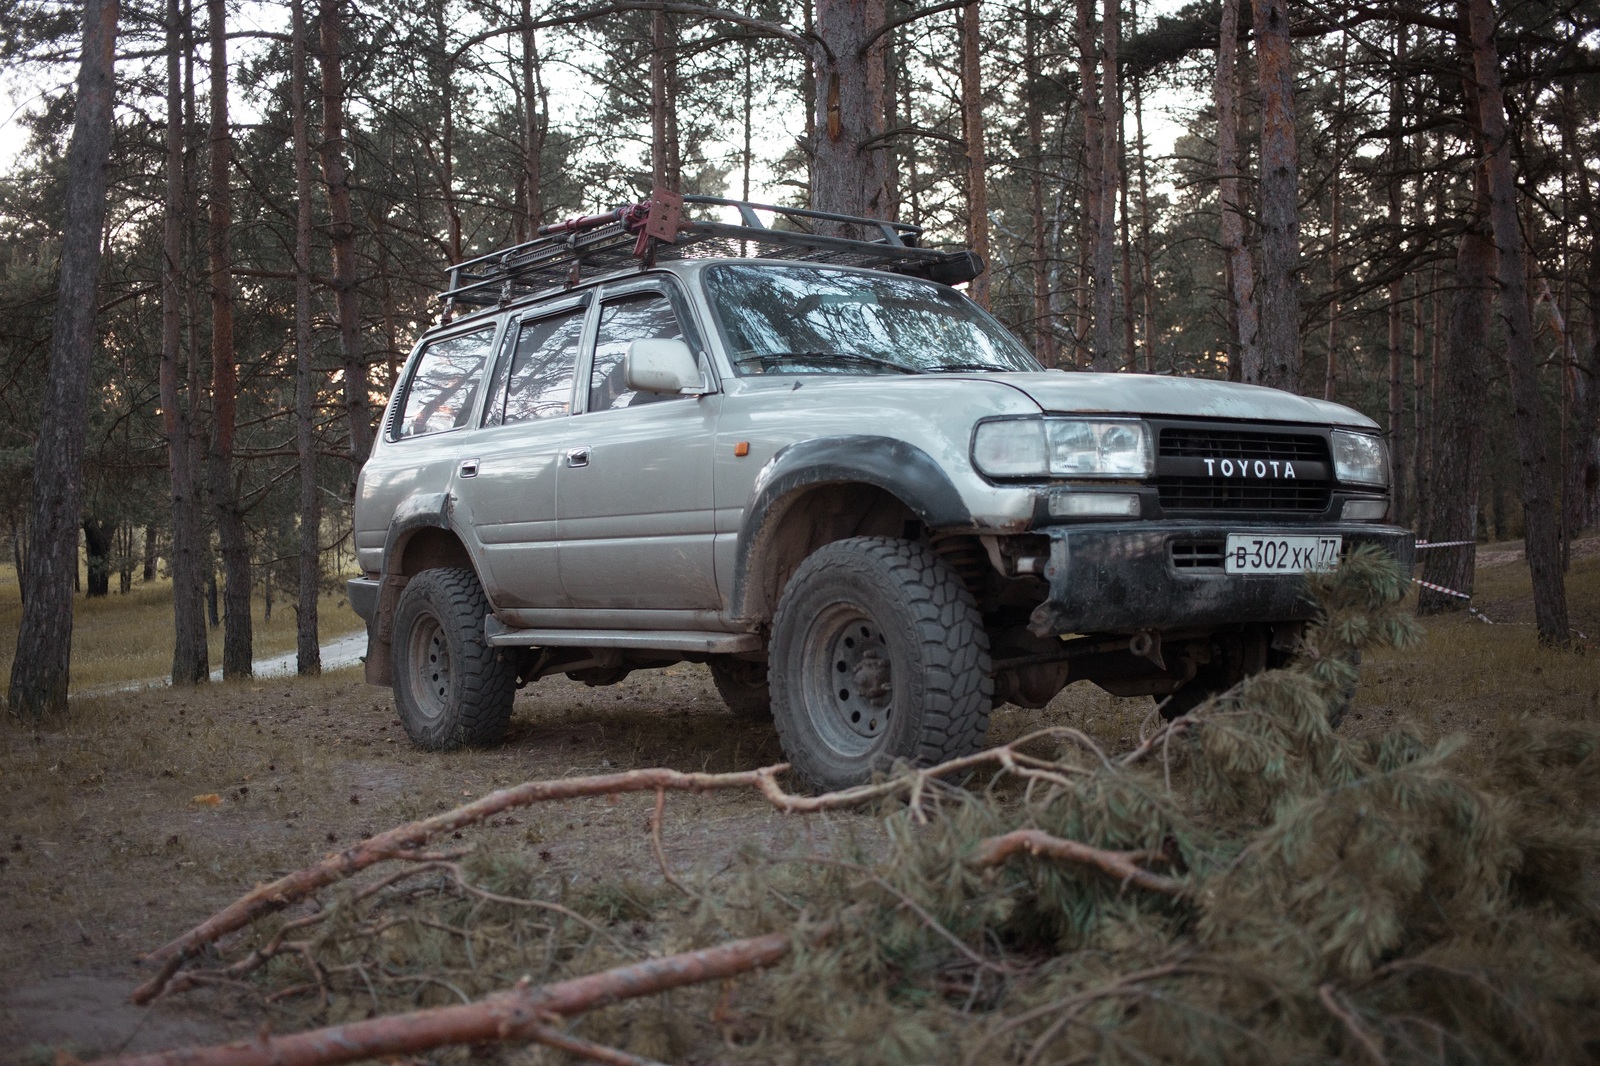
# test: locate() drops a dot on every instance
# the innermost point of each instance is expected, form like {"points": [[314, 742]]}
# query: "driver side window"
{"points": [[641, 316]]}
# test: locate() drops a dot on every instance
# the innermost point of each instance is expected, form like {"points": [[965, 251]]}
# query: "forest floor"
{"points": [[139, 813]]}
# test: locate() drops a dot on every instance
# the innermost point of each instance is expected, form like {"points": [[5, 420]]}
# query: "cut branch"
{"points": [[1122, 865], [521, 1013]]}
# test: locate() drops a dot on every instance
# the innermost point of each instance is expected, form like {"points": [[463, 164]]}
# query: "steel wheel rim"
{"points": [[847, 679], [430, 668]]}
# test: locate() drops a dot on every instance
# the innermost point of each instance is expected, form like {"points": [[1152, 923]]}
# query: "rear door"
{"points": [[427, 422], [508, 474], [636, 515]]}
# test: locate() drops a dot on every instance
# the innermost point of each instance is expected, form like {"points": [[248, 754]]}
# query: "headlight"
{"points": [[1062, 447], [1359, 458]]}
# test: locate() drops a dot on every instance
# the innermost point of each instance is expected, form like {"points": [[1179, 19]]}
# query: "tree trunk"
{"points": [[1044, 333], [190, 656], [1541, 533], [148, 572], [1330, 379], [1397, 158], [977, 160], [848, 173], [342, 235], [1105, 225], [660, 165], [1451, 505], [1240, 272], [308, 650], [1279, 200], [1089, 328], [236, 635], [97, 548], [1146, 267], [532, 128], [39, 672]]}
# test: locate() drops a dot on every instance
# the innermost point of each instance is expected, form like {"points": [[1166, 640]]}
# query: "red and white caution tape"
{"points": [[1441, 588], [1424, 544]]}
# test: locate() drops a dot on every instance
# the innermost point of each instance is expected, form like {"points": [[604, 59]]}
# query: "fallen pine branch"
{"points": [[265, 899], [1122, 865], [521, 1013]]}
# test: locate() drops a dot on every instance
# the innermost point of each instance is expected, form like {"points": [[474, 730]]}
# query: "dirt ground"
{"points": [[141, 813]]}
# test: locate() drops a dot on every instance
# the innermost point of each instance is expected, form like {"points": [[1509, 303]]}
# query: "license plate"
{"points": [[1252, 554]]}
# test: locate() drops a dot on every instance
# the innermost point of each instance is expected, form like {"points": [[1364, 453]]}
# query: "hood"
{"points": [[1148, 394]]}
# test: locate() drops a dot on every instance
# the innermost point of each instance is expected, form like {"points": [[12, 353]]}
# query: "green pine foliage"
{"points": [[1341, 899]]}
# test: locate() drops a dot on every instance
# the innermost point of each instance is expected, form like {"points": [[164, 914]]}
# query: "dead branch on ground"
{"points": [[521, 1013], [1122, 865]]}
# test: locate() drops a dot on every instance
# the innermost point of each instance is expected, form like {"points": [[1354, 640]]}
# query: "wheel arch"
{"points": [[825, 489], [420, 538]]}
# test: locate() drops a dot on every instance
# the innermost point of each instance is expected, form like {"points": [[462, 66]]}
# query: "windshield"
{"points": [[812, 320]]}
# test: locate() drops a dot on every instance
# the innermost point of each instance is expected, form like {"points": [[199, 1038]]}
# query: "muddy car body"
{"points": [[850, 491]]}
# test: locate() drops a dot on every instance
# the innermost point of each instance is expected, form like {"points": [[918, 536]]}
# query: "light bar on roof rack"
{"points": [[567, 253]]}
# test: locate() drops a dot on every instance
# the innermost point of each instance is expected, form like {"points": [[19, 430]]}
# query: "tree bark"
{"points": [[1241, 274], [660, 164], [533, 128], [1451, 505], [1105, 224], [1398, 467], [308, 648], [1088, 331], [1330, 379], [848, 173], [1278, 286], [148, 573], [342, 234], [236, 635], [1044, 332], [1540, 527], [977, 159], [40, 670]]}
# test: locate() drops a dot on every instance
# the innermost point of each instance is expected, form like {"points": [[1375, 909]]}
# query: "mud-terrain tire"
{"points": [[451, 688], [744, 687], [878, 653]]}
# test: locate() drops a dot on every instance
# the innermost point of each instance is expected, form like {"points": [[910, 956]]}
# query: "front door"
{"points": [[636, 514], [507, 480]]}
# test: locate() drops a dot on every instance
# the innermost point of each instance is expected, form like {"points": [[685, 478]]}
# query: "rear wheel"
{"points": [[743, 686], [878, 653], [451, 688]]}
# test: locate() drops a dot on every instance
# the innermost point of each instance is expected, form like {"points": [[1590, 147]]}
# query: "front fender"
{"points": [[903, 470]]}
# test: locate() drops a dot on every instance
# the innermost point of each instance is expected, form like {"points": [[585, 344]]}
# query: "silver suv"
{"points": [[808, 462]]}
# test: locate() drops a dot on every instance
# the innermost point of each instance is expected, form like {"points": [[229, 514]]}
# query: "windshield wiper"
{"points": [[840, 358], [963, 366]]}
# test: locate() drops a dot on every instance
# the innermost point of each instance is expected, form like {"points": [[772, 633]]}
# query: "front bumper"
{"points": [[1154, 575], [363, 593]]}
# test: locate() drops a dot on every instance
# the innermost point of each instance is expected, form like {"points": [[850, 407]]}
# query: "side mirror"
{"points": [[662, 366]]}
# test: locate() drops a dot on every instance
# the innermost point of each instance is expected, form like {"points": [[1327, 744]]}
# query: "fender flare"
{"points": [[428, 510], [903, 470]]}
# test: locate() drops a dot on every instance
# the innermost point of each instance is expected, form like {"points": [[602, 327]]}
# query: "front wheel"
{"points": [[451, 688], [878, 653]]}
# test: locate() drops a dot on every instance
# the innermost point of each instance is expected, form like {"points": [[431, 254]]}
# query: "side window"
{"points": [[643, 316], [444, 384], [539, 384]]}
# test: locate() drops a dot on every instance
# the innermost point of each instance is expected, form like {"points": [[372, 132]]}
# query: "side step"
{"points": [[500, 635]]}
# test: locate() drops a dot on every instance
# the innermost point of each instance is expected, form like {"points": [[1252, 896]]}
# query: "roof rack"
{"points": [[567, 253]]}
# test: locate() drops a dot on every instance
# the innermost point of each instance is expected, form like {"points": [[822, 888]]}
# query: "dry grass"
{"points": [[118, 639]]}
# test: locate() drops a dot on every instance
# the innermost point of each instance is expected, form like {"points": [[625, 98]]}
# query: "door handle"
{"points": [[469, 468], [578, 457]]}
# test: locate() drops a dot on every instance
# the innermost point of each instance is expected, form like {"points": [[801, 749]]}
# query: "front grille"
{"points": [[1197, 554], [1240, 444], [1190, 461]]}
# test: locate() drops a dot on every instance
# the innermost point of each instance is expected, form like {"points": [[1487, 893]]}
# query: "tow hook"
{"points": [[1146, 644]]}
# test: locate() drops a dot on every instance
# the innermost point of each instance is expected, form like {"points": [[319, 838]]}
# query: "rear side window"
{"points": [[646, 316], [444, 384], [539, 384]]}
